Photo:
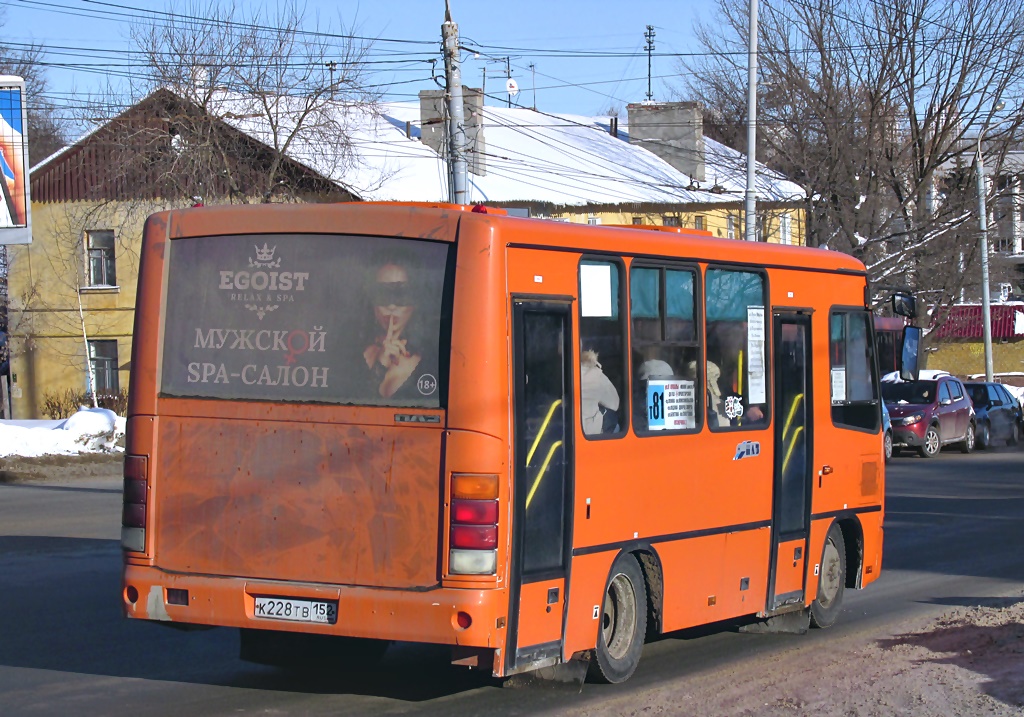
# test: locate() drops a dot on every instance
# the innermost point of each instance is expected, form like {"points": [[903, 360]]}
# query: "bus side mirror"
{"points": [[909, 354], [904, 305]]}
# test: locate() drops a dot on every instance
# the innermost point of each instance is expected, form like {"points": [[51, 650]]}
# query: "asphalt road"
{"points": [[953, 531]]}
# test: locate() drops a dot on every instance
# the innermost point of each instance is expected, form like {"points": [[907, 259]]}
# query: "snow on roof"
{"points": [[529, 156]]}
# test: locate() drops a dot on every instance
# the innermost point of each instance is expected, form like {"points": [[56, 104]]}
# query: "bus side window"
{"points": [[665, 345], [854, 389], [602, 349], [737, 349]]}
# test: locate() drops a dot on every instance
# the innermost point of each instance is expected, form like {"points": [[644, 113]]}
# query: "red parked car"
{"points": [[930, 413]]}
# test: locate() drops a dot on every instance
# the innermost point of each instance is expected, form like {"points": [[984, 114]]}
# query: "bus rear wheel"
{"points": [[831, 580], [620, 636]]}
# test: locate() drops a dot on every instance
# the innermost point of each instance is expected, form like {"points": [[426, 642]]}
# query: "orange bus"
{"points": [[532, 441]]}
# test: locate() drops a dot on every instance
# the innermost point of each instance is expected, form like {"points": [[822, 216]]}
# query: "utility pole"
{"points": [[649, 36], [483, 87], [533, 72], [508, 76], [456, 112], [986, 302], [750, 205], [331, 67]]}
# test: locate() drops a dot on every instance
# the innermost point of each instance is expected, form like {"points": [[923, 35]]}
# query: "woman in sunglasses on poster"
{"points": [[392, 358]]}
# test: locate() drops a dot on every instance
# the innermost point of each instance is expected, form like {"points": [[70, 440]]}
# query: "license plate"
{"points": [[275, 608]]}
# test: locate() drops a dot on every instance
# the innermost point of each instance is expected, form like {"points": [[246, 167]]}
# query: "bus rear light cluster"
{"points": [[473, 539], [134, 510]]}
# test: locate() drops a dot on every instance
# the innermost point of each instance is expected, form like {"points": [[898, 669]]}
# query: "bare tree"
{"points": [[242, 107], [875, 109]]}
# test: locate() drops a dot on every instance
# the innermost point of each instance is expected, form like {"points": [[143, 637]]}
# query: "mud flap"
{"points": [[567, 676], [796, 622]]}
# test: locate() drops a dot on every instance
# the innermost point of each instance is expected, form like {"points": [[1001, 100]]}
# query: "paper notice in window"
{"points": [[671, 405], [839, 385], [755, 354], [596, 290]]}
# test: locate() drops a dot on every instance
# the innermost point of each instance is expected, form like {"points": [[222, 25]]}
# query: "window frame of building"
{"points": [[785, 228], [730, 226], [698, 221], [668, 220], [103, 363], [101, 263]]}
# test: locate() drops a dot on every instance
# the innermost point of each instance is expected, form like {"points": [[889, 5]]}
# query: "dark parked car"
{"points": [[997, 414], [930, 413]]}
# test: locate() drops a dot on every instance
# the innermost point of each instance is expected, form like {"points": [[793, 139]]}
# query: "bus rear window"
{"points": [[311, 318]]}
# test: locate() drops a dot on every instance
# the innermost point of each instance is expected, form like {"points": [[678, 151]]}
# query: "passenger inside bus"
{"points": [[599, 399]]}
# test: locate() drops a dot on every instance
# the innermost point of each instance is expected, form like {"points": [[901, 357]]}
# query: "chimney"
{"points": [[433, 128], [672, 130]]}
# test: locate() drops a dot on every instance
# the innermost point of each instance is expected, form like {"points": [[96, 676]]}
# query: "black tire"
{"points": [[983, 435], [300, 650], [620, 634], [831, 580], [887, 445], [967, 444], [1014, 438], [932, 443]]}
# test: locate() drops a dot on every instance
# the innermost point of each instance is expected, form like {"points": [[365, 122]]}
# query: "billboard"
{"points": [[15, 224]]}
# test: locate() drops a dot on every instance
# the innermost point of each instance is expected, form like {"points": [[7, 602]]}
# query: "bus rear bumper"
{"points": [[437, 616]]}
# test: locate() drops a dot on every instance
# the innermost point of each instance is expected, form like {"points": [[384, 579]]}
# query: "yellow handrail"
{"points": [[542, 471], [543, 427], [792, 445], [792, 413]]}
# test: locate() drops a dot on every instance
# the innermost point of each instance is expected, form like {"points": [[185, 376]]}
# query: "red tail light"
{"points": [[475, 512], [135, 499], [473, 536]]}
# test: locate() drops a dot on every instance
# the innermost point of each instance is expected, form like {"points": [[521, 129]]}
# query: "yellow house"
{"points": [[72, 291]]}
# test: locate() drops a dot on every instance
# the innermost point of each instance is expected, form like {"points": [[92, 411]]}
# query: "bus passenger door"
{"points": [[541, 530], [793, 460]]}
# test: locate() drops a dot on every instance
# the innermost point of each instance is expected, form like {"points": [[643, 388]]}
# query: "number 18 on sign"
{"points": [[670, 405]]}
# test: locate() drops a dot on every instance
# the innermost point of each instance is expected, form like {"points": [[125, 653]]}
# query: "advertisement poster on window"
{"points": [[15, 225]]}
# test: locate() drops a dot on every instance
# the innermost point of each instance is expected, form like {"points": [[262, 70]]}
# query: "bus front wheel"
{"points": [[623, 623], [831, 580]]}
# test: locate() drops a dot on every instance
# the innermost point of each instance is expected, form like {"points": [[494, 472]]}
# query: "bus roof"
{"points": [[440, 222]]}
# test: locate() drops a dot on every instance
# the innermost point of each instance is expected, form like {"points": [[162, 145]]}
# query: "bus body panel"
{"points": [[414, 616], [354, 504]]}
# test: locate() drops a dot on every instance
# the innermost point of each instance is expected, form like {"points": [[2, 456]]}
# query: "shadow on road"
{"points": [[60, 610], [985, 637]]}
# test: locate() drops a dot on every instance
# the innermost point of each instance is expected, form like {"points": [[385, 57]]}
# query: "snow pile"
{"points": [[91, 430]]}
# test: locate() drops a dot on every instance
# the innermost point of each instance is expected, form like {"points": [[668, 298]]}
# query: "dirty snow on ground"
{"points": [[91, 430]]}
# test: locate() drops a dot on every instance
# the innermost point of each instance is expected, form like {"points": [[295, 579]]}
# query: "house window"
{"points": [[638, 220], [698, 222], [785, 230], [730, 227], [593, 220], [100, 246], [103, 361], [671, 221]]}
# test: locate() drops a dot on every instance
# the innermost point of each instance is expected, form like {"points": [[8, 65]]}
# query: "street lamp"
{"points": [[986, 304]]}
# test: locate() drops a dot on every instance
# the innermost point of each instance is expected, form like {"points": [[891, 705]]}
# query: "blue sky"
{"points": [[547, 33]]}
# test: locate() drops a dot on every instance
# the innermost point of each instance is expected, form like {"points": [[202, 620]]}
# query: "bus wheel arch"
{"points": [[853, 538], [623, 622], [650, 565]]}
